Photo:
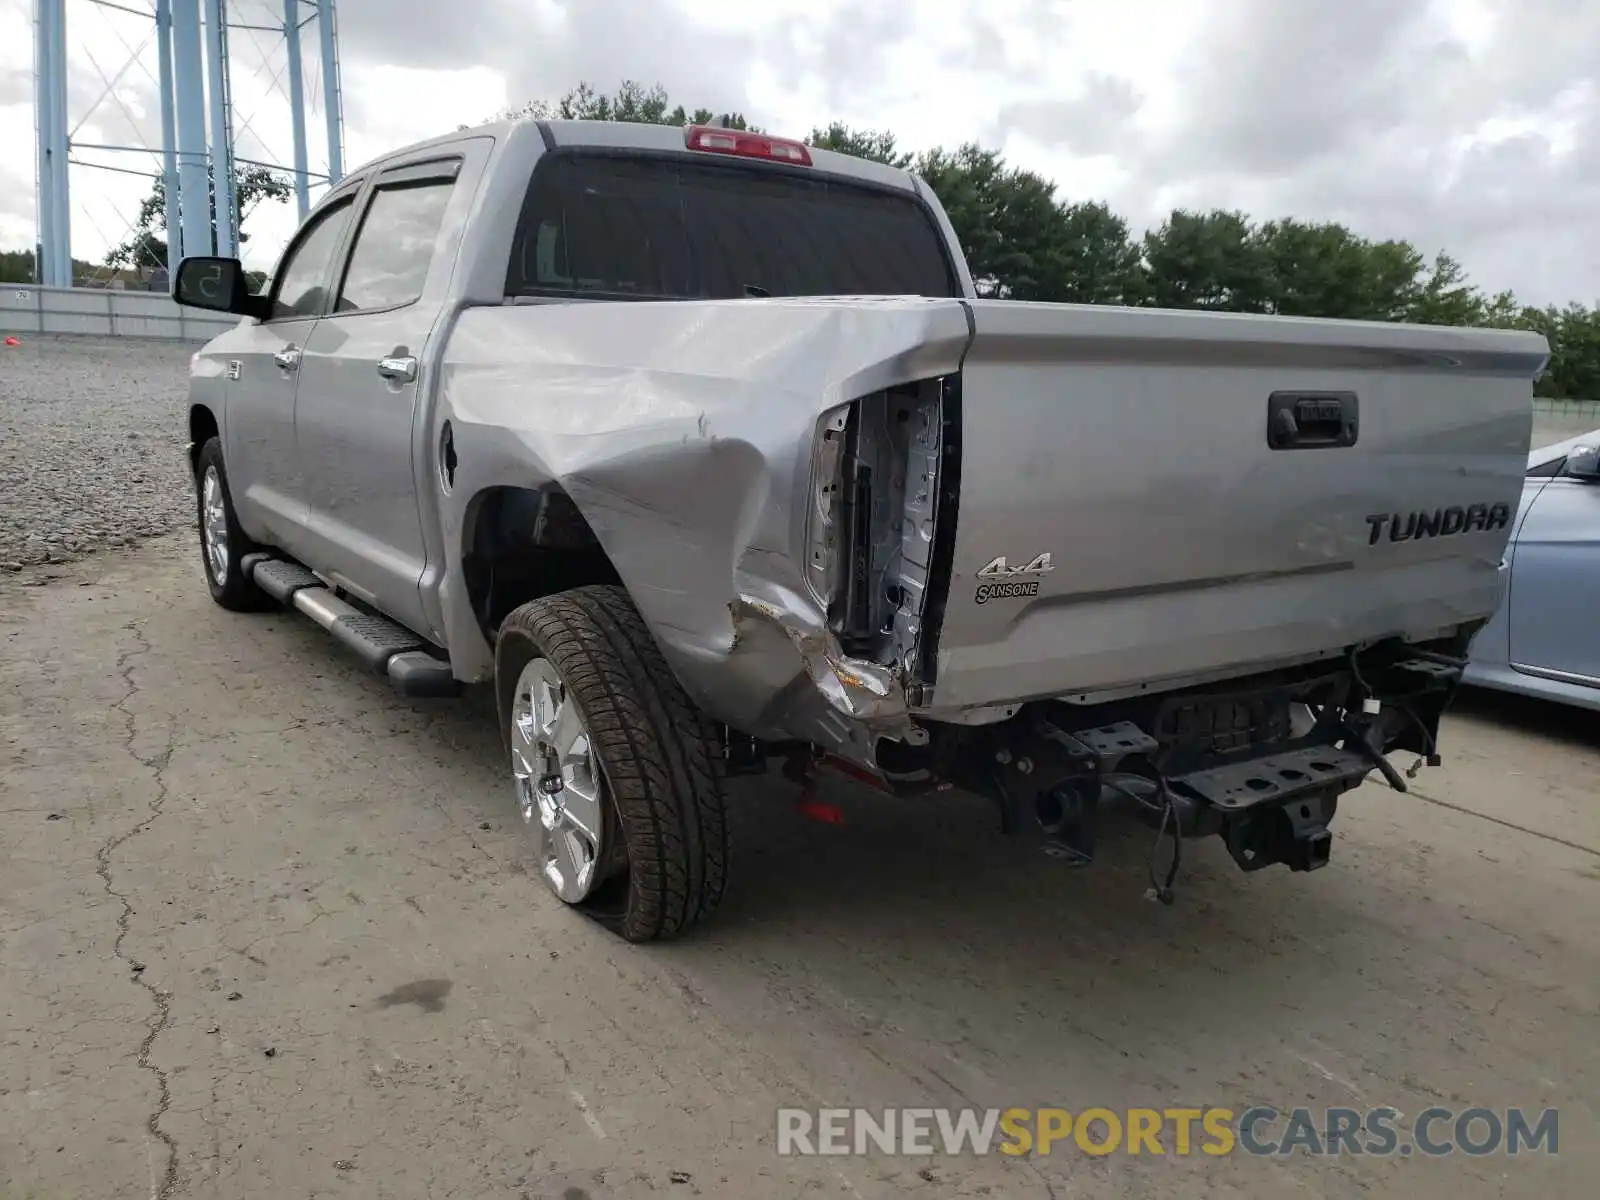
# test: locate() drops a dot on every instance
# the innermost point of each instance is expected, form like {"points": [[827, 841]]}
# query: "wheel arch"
{"points": [[203, 426], [524, 543]]}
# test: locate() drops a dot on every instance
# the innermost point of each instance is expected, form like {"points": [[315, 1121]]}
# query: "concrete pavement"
{"points": [[266, 930]]}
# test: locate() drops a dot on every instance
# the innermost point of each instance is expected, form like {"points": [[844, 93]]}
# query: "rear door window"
{"points": [[673, 228], [395, 244]]}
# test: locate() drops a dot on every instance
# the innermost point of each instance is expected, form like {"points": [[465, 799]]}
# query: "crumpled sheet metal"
{"points": [[684, 433], [860, 690]]}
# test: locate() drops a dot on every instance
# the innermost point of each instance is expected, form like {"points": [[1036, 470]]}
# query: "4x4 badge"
{"points": [[999, 569]]}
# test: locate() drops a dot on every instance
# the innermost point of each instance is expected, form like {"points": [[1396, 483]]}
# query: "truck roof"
{"points": [[624, 135]]}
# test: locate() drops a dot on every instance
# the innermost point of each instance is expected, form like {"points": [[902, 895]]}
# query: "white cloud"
{"points": [[385, 107]]}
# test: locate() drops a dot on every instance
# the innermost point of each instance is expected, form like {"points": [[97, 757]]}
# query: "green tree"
{"points": [[1007, 221], [1574, 336], [1446, 298], [1328, 271], [875, 144], [1394, 272], [631, 102], [1503, 311], [1211, 260], [1099, 262], [16, 266], [147, 247]]}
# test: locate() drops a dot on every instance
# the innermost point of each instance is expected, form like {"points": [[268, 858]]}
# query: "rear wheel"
{"points": [[222, 543], [617, 776]]}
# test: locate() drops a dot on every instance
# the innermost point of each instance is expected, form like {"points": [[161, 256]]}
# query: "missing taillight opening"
{"points": [[874, 490], [744, 144]]}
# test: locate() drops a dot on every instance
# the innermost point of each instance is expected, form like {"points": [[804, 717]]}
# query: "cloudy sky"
{"points": [[1467, 125]]}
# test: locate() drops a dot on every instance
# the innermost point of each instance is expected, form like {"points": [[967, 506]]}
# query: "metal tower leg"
{"points": [[332, 105], [221, 130], [297, 104], [194, 192], [169, 133], [53, 266]]}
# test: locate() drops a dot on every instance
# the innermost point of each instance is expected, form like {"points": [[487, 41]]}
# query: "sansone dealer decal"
{"points": [[1005, 582]]}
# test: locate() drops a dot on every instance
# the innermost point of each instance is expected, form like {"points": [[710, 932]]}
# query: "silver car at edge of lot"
{"points": [[1544, 640]]}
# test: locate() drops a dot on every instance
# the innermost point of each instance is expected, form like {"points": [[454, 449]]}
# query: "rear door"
{"points": [[264, 373], [1555, 584], [362, 379]]}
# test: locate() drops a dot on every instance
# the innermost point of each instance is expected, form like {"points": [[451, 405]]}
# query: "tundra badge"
{"points": [[1438, 522]]}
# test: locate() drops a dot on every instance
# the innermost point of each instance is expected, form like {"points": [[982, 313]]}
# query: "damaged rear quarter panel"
{"points": [[683, 431]]}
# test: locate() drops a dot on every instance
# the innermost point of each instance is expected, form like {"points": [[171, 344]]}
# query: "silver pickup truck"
{"points": [[699, 446]]}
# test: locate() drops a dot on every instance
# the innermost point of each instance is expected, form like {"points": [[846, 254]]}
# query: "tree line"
{"points": [[1023, 242], [16, 266]]}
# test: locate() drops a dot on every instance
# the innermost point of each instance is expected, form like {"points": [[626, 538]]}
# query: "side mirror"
{"points": [[1583, 463], [217, 284]]}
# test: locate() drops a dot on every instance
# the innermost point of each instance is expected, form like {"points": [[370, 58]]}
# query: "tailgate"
{"points": [[1153, 496]]}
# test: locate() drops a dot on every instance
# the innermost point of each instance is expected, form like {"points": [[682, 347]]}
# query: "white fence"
{"points": [[1557, 420], [1578, 410], [27, 308]]}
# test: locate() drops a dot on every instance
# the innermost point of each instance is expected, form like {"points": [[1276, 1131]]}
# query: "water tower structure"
{"points": [[175, 118]]}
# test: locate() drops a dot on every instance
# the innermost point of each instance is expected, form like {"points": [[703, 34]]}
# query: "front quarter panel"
{"points": [[208, 380]]}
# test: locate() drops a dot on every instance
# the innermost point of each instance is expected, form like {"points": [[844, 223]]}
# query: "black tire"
{"points": [[233, 589], [666, 821]]}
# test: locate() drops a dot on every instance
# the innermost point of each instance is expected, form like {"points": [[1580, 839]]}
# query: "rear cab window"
{"points": [[675, 227]]}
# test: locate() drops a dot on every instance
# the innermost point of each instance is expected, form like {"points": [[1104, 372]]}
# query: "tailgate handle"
{"points": [[1312, 420]]}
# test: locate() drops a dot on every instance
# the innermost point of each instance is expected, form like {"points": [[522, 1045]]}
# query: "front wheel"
{"points": [[617, 775], [223, 544]]}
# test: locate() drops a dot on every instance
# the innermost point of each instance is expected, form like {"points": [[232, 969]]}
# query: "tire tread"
{"points": [[659, 754], [238, 592]]}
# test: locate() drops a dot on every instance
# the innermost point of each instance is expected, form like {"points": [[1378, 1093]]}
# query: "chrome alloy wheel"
{"points": [[214, 525], [559, 783]]}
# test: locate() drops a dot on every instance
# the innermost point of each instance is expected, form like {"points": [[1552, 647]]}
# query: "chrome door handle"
{"points": [[288, 358], [402, 370]]}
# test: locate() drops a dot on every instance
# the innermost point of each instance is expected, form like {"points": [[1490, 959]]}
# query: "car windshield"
{"points": [[669, 228]]}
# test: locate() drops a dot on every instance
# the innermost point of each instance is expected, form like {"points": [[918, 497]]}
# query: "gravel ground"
{"points": [[91, 439]]}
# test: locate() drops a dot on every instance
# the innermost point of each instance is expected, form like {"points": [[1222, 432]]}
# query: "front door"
{"points": [[263, 361], [1555, 584], [356, 415]]}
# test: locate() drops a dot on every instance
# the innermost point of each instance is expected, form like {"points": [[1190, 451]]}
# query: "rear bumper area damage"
{"points": [[875, 552], [1260, 762], [777, 484], [881, 485]]}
